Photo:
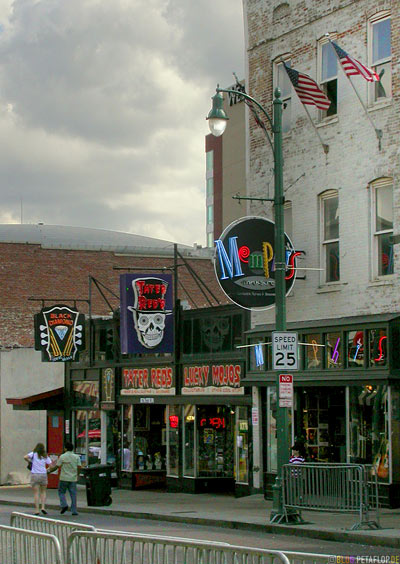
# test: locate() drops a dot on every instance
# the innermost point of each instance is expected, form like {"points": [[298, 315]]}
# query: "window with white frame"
{"points": [[382, 221], [381, 55], [328, 66], [282, 81], [330, 258]]}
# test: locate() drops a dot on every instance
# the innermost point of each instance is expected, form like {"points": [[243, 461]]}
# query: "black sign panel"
{"points": [[245, 262], [59, 333]]}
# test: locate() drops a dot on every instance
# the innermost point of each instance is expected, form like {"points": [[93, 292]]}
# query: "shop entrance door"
{"points": [[55, 426]]}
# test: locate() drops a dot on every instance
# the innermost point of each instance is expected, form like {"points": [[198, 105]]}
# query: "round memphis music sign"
{"points": [[244, 262]]}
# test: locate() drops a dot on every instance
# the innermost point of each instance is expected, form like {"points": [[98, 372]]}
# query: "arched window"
{"points": [[380, 55]]}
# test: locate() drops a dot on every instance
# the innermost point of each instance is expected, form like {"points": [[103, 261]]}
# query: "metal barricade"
{"points": [[113, 548], [60, 529], [336, 488], [309, 558], [19, 546]]}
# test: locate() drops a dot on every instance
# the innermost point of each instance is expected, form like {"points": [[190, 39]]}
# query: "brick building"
{"points": [[343, 206], [53, 264]]}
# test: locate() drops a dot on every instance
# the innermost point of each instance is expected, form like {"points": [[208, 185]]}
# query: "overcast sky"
{"points": [[103, 106]]}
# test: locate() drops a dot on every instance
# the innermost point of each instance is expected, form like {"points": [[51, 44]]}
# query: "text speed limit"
{"points": [[284, 350]]}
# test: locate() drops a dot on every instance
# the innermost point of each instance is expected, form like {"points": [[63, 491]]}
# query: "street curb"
{"points": [[298, 530]]}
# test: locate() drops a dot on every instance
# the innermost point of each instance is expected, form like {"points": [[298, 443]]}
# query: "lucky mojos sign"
{"points": [[245, 262]]}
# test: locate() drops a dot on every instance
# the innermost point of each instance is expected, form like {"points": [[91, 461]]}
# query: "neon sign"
{"points": [[380, 349], [215, 422], [245, 262], [335, 354], [173, 421], [259, 355]]}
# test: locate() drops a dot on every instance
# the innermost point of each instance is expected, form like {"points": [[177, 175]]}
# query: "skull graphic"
{"points": [[149, 313], [150, 328], [214, 331]]}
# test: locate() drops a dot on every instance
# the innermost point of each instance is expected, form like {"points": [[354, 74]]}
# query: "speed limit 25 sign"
{"points": [[284, 350]]}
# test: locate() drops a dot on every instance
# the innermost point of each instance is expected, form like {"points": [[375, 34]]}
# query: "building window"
{"points": [[328, 75], [210, 214], [282, 81], [382, 217], [381, 56], [210, 240], [210, 187], [330, 236], [209, 161]]}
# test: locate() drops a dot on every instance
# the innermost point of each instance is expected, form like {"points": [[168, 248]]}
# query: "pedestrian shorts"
{"points": [[38, 479]]}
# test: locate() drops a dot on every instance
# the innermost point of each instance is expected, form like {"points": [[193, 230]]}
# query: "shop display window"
{"points": [[127, 438], [143, 438], [378, 347], [333, 348], [215, 426], [272, 446], [189, 440], [313, 352], [355, 348], [149, 445], [369, 425], [173, 414], [242, 445], [323, 423], [85, 393], [87, 436]]}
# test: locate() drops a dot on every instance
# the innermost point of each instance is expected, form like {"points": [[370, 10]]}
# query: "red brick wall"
{"points": [[28, 271]]}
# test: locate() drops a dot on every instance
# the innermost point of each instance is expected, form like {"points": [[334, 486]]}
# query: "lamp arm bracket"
{"points": [[250, 99]]}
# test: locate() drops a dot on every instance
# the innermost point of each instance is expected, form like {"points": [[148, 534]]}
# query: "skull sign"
{"points": [[149, 311], [150, 328]]}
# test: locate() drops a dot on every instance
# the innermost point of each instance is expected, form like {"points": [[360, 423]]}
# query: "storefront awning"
{"points": [[49, 400]]}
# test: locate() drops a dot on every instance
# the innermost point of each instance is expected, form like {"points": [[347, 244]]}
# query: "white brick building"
{"points": [[343, 211]]}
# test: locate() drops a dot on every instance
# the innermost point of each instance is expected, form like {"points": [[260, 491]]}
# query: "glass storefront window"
{"points": [[215, 440], [334, 357], [313, 352], [126, 458], [149, 437], [355, 348], [173, 414], [85, 393], [271, 433], [369, 427], [377, 347], [189, 440], [322, 420], [87, 436], [242, 445]]}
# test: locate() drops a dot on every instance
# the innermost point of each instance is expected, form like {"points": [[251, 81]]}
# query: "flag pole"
{"points": [[324, 145], [378, 132]]}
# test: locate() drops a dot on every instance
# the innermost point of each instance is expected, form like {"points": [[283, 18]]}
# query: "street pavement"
{"points": [[220, 510]]}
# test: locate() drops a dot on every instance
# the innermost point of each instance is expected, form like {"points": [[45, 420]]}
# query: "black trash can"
{"points": [[98, 484]]}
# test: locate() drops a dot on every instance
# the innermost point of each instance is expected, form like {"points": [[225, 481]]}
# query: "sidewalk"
{"points": [[251, 513]]}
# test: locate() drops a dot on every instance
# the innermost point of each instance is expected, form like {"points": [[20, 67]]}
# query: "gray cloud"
{"points": [[102, 108]]}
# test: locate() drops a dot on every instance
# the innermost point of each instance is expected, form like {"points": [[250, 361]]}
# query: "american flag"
{"points": [[352, 66], [307, 89]]}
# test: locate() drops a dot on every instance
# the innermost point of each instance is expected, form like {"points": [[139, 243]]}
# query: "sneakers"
{"points": [[74, 513], [44, 512], [64, 509]]}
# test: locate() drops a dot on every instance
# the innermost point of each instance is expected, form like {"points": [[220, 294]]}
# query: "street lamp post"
{"points": [[217, 120]]}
